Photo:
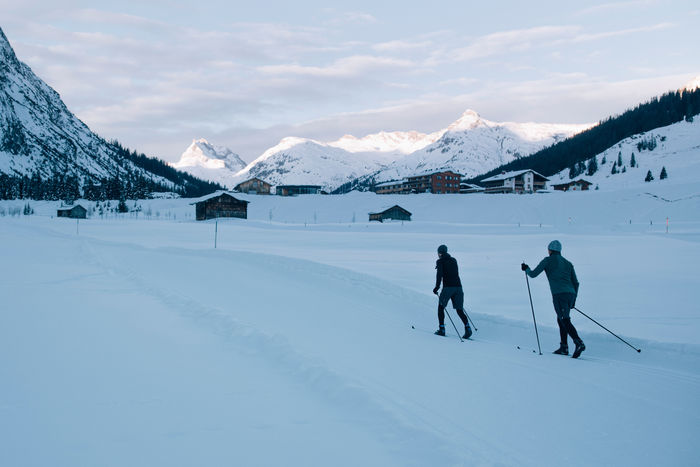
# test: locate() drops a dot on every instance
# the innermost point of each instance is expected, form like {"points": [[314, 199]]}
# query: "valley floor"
{"points": [[135, 342]]}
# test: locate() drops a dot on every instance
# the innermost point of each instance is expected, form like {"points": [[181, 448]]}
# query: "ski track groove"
{"points": [[333, 387]]}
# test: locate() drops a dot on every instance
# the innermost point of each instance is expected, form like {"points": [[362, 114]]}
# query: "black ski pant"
{"points": [[460, 313], [563, 303]]}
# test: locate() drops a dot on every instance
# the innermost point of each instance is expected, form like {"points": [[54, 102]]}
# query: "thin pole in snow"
{"points": [[596, 322], [216, 231], [453, 323], [77, 225], [533, 312]]}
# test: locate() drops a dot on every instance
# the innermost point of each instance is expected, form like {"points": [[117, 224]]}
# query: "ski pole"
{"points": [[470, 320], [453, 323], [596, 322], [533, 312]]}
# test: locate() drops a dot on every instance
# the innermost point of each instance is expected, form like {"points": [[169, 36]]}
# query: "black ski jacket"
{"points": [[447, 272]]}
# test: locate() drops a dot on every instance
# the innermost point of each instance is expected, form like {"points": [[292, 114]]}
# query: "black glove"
{"points": [[524, 267], [435, 290]]}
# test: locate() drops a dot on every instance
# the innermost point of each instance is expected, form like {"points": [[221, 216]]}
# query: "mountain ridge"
{"points": [[41, 139], [468, 145]]}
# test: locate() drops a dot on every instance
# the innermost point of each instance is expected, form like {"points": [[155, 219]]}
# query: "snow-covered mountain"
{"points": [[473, 145], [674, 147], [206, 161], [310, 162], [397, 143], [39, 135], [692, 84]]}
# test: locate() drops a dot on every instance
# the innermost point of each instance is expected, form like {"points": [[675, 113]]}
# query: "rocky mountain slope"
{"points": [[41, 138], [209, 162], [471, 145]]}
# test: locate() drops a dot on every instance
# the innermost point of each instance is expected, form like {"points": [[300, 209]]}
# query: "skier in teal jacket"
{"points": [[564, 287]]}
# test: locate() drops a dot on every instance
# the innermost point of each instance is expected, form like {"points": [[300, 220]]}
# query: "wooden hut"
{"points": [[574, 185], [254, 186], [294, 190], [74, 212], [219, 205], [395, 212]]}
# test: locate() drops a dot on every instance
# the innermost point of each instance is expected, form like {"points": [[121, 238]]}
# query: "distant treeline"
{"points": [[125, 184], [193, 187], [658, 112]]}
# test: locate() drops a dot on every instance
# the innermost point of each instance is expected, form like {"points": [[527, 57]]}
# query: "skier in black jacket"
{"points": [[448, 274]]}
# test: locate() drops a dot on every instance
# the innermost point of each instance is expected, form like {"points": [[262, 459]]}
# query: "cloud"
{"points": [[512, 41], [344, 67], [609, 7], [621, 32]]}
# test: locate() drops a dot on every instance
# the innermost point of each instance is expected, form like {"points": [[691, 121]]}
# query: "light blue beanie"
{"points": [[555, 245]]}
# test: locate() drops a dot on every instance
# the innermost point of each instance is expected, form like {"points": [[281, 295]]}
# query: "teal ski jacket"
{"points": [[560, 273]]}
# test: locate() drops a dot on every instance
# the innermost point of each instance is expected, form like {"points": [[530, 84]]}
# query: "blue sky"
{"points": [[157, 74]]}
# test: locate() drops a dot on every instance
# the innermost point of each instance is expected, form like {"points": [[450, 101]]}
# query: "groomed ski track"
{"points": [[191, 355]]}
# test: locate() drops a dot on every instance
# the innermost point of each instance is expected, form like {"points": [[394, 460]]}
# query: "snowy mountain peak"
{"points": [[204, 160], [6, 49], [692, 84], [469, 120], [39, 135], [203, 154], [404, 142]]}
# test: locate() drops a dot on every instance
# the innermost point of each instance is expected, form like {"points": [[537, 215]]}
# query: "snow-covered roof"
{"points": [[575, 180], [387, 207], [392, 183], [432, 172], [219, 193], [507, 175], [71, 206]]}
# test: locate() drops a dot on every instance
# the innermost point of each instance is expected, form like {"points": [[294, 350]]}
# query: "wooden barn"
{"points": [[294, 190], [74, 212], [220, 204], [254, 186], [574, 185], [395, 212]]}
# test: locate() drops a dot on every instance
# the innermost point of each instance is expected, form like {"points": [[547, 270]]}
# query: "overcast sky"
{"points": [[156, 74]]}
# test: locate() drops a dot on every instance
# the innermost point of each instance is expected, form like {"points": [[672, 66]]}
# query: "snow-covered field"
{"points": [[305, 337]]}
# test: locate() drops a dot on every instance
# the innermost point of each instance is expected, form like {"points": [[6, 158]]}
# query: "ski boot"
{"points": [[467, 332], [580, 347], [562, 350], [440, 331]]}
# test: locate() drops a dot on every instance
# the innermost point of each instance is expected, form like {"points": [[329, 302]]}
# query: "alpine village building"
{"points": [[435, 182], [294, 190], [574, 185], [522, 181], [254, 186], [395, 212], [74, 212], [220, 204]]}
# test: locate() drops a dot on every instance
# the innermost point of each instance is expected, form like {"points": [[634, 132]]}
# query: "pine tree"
{"points": [[649, 177], [619, 159], [122, 207], [603, 161], [580, 168], [624, 169], [614, 169], [633, 162], [592, 166], [663, 174]]}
